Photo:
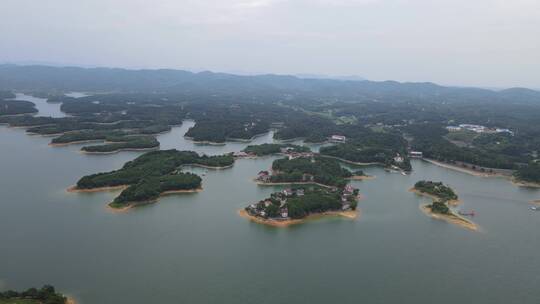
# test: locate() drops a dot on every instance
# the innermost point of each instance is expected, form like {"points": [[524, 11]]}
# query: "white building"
{"points": [[338, 138]]}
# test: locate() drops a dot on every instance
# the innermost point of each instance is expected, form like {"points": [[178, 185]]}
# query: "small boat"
{"points": [[534, 208], [467, 213]]}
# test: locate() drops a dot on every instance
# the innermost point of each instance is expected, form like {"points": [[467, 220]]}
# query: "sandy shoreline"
{"points": [[286, 223], [74, 189], [130, 205], [205, 142], [121, 150], [512, 179], [435, 198], [351, 162], [524, 183], [362, 177], [450, 218], [208, 167], [464, 170], [75, 142], [289, 183]]}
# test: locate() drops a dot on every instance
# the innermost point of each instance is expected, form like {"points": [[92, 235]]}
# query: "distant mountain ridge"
{"points": [[38, 77]]}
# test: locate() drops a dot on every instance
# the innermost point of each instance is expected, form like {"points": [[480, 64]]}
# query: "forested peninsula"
{"points": [[150, 175], [442, 197], [9, 106]]}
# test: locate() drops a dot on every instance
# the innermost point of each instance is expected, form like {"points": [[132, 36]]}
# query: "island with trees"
{"points": [[270, 149], [294, 206], [318, 170], [151, 175], [443, 197], [45, 295], [16, 107]]}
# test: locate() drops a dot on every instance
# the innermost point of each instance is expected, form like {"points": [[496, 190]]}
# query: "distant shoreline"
{"points": [[75, 142], [351, 162], [289, 183], [208, 167], [464, 170], [121, 150]]}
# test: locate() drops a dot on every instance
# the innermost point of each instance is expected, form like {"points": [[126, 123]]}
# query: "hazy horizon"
{"points": [[488, 43]]}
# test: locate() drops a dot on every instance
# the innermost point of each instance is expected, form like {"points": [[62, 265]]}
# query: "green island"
{"points": [[144, 179], [124, 143], [306, 170], [16, 107], [45, 295], [294, 206], [269, 149], [442, 197]]}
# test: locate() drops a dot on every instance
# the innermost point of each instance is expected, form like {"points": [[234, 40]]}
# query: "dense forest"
{"points": [[45, 295], [268, 149], [153, 173], [16, 107], [530, 173], [318, 169], [381, 120]]}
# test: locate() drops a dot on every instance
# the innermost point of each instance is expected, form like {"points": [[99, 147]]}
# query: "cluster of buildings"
{"points": [[288, 151], [292, 154], [478, 129], [266, 176], [340, 139], [349, 194], [279, 200]]}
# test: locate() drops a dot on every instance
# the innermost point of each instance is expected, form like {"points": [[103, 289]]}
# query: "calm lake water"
{"points": [[194, 248]]}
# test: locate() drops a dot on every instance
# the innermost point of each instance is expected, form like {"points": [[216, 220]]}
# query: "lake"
{"points": [[194, 248]]}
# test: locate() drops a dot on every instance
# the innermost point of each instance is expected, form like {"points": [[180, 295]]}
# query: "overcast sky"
{"points": [[493, 43]]}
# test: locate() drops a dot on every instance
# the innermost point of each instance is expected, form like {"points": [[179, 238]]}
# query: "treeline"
{"points": [[320, 170], [268, 149], [149, 189], [530, 173], [16, 107], [438, 189], [153, 172], [6, 94], [429, 139], [45, 295], [115, 144], [313, 202]]}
